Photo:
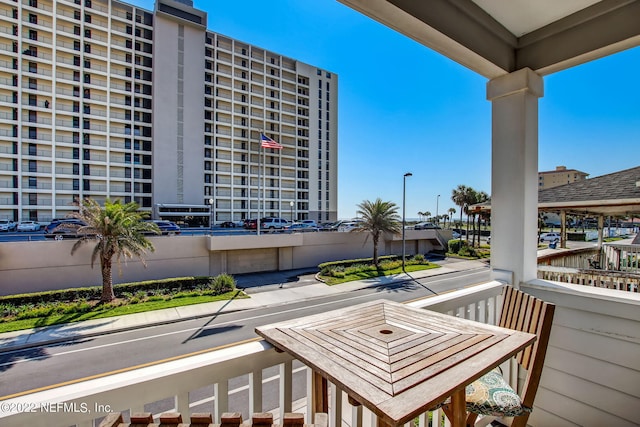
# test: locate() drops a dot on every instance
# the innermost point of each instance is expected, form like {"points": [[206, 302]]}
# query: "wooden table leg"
{"points": [[320, 393], [458, 409]]}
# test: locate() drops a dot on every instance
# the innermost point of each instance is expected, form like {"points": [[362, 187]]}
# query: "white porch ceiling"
{"points": [[524, 16], [496, 37]]}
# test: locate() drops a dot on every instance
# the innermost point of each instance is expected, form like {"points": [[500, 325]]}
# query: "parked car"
{"points": [[311, 222], [349, 226], [228, 224], [7, 225], [273, 223], [28, 226], [550, 237], [426, 226], [455, 235], [300, 227], [63, 228], [167, 227], [250, 224]]}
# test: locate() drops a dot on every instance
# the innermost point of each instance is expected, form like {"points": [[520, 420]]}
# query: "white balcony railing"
{"points": [[590, 376], [255, 364]]}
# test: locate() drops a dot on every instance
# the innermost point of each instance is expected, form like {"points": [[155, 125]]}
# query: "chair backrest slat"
{"points": [[526, 313]]}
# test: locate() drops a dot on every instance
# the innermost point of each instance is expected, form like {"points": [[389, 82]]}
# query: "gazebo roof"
{"points": [[612, 194], [617, 193], [497, 37]]}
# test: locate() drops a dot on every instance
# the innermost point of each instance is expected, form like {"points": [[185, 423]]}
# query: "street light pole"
{"points": [[437, 200], [291, 209], [404, 188], [211, 213]]}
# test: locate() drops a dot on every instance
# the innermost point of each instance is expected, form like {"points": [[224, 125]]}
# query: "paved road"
{"points": [[52, 364]]}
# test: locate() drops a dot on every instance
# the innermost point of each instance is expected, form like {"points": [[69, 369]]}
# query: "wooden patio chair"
{"points": [[491, 395]]}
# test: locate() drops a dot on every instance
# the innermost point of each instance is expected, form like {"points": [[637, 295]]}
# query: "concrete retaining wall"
{"points": [[38, 266]]}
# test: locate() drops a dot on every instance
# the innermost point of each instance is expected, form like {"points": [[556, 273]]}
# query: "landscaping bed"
{"points": [[26, 311], [334, 273]]}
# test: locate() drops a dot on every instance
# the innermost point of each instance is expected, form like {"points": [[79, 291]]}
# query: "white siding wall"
{"points": [[592, 369]]}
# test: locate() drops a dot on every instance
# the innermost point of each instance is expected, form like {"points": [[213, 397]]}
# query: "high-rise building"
{"points": [[560, 176], [99, 98]]}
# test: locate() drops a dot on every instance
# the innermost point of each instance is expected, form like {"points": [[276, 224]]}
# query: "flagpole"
{"points": [[259, 180], [264, 182]]}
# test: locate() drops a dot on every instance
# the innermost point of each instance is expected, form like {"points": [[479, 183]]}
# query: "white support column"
{"points": [[514, 176]]}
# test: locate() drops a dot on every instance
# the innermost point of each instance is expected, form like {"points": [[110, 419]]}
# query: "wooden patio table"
{"points": [[396, 360]]}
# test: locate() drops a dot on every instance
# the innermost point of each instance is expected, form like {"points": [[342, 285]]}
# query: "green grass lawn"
{"points": [[370, 274], [118, 308]]}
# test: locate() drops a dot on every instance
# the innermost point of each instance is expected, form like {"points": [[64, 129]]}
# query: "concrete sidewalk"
{"points": [[273, 289]]}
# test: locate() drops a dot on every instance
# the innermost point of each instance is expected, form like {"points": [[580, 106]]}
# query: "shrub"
{"points": [[124, 290], [467, 251], [359, 268], [222, 283], [350, 262], [390, 265], [418, 258], [455, 246]]}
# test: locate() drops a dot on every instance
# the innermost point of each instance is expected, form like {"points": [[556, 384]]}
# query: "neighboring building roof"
{"points": [[617, 193], [563, 169]]}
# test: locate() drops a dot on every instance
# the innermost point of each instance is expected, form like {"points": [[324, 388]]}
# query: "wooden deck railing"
{"points": [[609, 279], [246, 378]]}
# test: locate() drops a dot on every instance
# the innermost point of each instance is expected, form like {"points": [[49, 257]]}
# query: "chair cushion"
{"points": [[491, 395]]}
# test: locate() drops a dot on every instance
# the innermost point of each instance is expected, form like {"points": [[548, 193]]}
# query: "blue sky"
{"points": [[404, 108]]}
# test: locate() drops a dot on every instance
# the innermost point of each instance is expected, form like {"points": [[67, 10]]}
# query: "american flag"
{"points": [[267, 142]]}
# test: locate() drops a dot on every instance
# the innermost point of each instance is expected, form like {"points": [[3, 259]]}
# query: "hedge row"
{"points": [[350, 262], [94, 292]]}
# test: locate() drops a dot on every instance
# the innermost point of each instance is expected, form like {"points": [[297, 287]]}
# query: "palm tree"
{"points": [[459, 196], [378, 217], [451, 211], [118, 231], [426, 214]]}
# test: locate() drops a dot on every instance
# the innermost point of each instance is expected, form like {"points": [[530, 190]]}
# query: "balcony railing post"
{"points": [[221, 404], [286, 387], [255, 392], [181, 401]]}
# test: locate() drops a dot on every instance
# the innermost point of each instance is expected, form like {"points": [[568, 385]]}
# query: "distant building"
{"points": [[100, 98], [560, 176]]}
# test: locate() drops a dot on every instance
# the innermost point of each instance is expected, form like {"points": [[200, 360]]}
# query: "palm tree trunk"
{"points": [[375, 250], [461, 228], [107, 281], [467, 232]]}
